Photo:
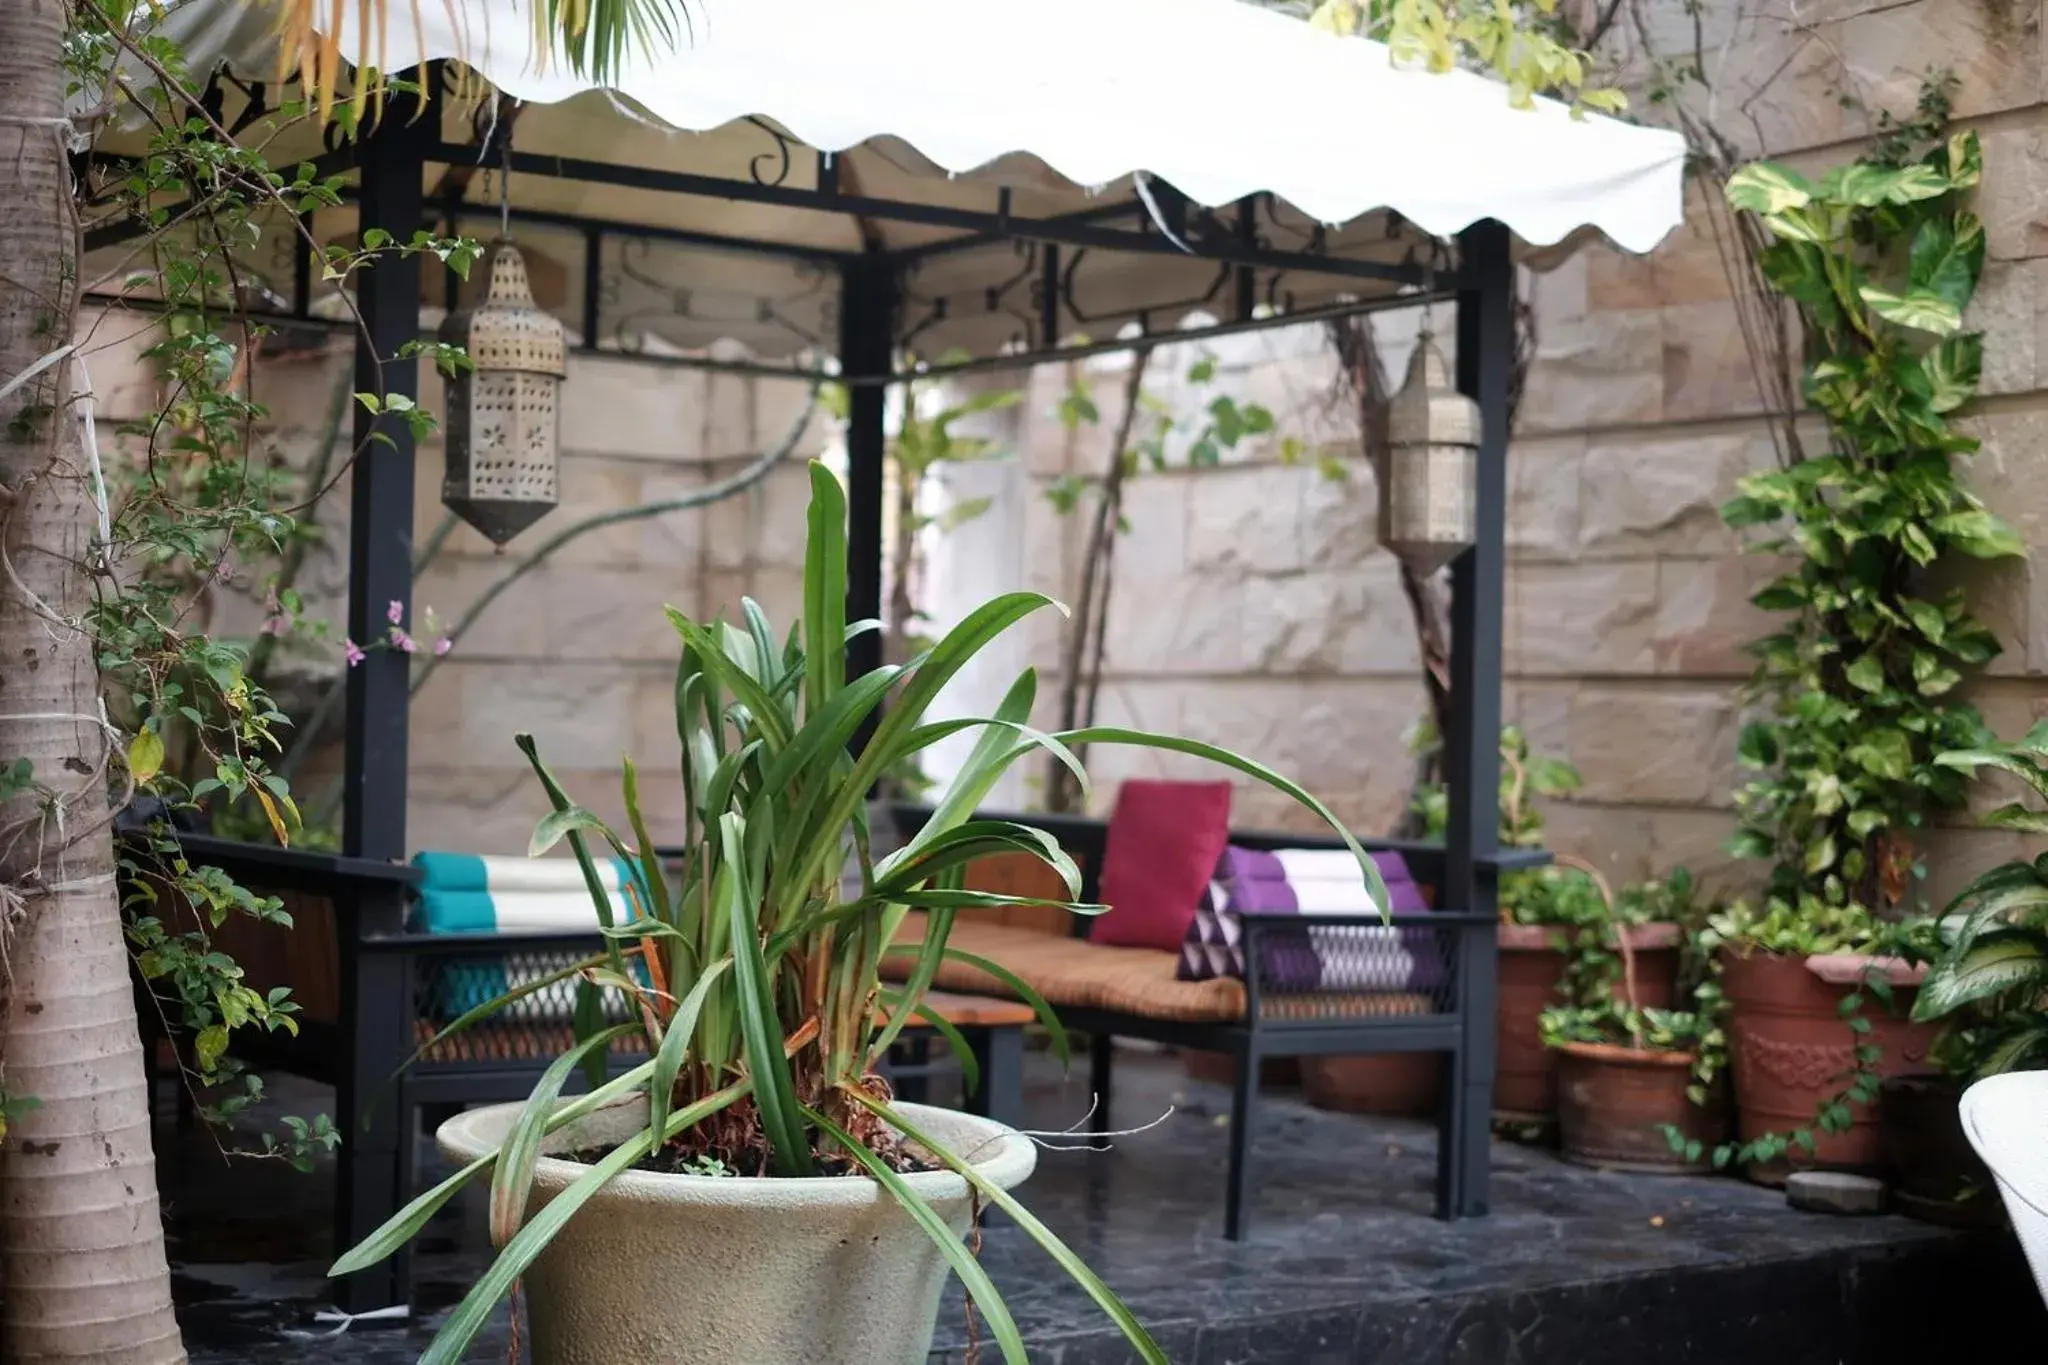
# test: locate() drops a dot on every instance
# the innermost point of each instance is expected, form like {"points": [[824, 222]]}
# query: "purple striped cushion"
{"points": [[1301, 884]]}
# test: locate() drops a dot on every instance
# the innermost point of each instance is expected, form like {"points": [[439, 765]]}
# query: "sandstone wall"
{"points": [[1252, 606], [578, 651]]}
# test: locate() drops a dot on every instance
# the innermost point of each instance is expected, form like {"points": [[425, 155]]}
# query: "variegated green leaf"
{"points": [[1765, 187]]}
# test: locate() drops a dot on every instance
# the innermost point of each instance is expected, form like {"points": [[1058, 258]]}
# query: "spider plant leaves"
{"points": [[556, 825], [512, 1180], [1091, 1284], [827, 731], [938, 924], [675, 1044], [586, 1021], [926, 679], [825, 590], [653, 884], [979, 1287], [1143, 739], [994, 752], [762, 708], [559, 799], [496, 1282], [404, 1225], [925, 857], [760, 1033]]}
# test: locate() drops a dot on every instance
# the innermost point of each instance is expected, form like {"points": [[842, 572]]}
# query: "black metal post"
{"points": [[867, 329], [380, 501], [1486, 348], [375, 988]]}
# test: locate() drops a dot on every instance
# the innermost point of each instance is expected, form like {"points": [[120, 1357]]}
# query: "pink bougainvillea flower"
{"points": [[401, 641], [395, 613], [352, 652], [443, 645]]}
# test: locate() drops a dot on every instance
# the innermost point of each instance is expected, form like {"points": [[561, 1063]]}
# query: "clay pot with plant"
{"points": [[1638, 1085], [1819, 1004]]}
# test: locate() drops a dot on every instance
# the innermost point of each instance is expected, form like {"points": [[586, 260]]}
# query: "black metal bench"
{"points": [[1457, 1019]]}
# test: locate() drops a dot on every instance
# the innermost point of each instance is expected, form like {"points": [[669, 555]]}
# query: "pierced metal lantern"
{"points": [[1429, 488], [505, 415]]}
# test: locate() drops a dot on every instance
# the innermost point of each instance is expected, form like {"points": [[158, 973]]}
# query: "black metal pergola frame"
{"points": [[392, 160]]}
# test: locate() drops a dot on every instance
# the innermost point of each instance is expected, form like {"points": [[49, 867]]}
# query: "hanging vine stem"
{"points": [[1081, 668], [746, 478]]}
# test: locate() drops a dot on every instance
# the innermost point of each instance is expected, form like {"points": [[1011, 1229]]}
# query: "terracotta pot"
{"points": [[1613, 1103], [1532, 963], [1935, 1175], [1404, 1084], [1790, 1050], [1220, 1068]]}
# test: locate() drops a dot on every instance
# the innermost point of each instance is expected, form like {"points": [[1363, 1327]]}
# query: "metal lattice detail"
{"points": [[1305, 971], [537, 1025]]}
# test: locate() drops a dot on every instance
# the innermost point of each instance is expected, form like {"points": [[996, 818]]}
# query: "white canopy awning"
{"points": [[1069, 105]]}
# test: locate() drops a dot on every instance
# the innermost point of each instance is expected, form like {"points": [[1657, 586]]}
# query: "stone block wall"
{"points": [[578, 651], [1254, 610], [1252, 607]]}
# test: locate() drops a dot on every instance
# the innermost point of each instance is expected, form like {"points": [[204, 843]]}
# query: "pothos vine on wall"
{"points": [[1855, 693], [1857, 688]]}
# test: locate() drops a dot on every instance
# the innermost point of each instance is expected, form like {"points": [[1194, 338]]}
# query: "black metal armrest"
{"points": [[277, 869]]}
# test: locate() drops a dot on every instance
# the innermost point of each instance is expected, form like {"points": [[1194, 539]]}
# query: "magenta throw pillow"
{"points": [[1162, 848]]}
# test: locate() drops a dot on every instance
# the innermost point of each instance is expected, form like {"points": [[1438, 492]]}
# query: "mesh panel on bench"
{"points": [[535, 1026], [1354, 971]]}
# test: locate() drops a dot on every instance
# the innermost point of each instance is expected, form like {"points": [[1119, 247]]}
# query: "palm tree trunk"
{"points": [[81, 1242]]}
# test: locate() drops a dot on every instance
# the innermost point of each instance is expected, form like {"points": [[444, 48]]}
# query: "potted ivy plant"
{"points": [[752, 1191], [1638, 1085], [1855, 693], [1987, 992]]}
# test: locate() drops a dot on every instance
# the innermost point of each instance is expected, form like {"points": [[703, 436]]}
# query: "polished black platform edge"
{"points": [[1574, 1267]]}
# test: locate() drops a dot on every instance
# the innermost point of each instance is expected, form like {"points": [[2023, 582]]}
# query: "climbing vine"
{"points": [[1854, 692]]}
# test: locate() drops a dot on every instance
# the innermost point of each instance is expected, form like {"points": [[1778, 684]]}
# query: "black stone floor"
{"points": [[1343, 1264]]}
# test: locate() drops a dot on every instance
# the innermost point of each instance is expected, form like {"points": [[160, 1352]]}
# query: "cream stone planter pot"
{"points": [[730, 1270]]}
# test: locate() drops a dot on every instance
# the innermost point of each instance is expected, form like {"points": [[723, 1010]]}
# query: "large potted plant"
{"points": [[1818, 1001], [1855, 691], [751, 1191], [1639, 1085], [1987, 991]]}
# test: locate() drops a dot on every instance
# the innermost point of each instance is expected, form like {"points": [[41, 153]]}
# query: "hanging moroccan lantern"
{"points": [[504, 416], [1429, 489]]}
